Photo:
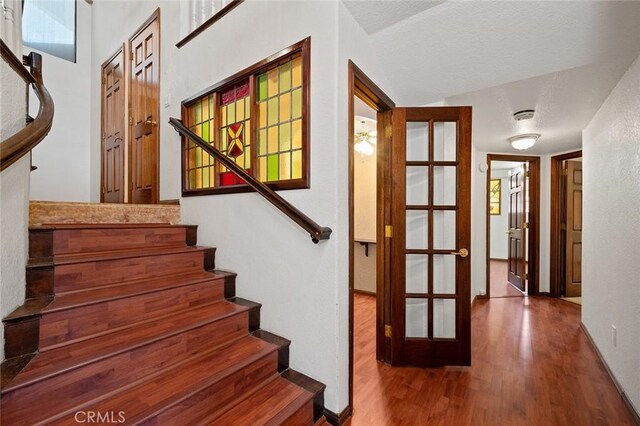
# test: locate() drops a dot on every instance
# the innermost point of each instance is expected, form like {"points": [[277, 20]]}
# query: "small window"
{"points": [[50, 27], [258, 119]]}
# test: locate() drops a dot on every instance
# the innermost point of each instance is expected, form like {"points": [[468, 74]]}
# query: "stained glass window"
{"points": [[260, 123]]}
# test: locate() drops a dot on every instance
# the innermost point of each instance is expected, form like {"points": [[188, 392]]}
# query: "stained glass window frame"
{"points": [[299, 180], [495, 197]]}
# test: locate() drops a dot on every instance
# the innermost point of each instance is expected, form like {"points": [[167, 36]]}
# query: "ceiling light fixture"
{"points": [[522, 142], [365, 141]]}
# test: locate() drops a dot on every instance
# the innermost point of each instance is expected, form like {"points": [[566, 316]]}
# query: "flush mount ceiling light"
{"points": [[365, 142], [522, 142]]}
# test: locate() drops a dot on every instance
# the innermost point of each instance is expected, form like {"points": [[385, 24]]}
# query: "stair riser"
{"points": [[87, 275], [71, 324], [78, 386], [303, 416], [197, 407]]}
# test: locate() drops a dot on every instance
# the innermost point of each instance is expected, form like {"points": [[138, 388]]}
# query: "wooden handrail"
{"points": [[18, 145], [316, 231]]}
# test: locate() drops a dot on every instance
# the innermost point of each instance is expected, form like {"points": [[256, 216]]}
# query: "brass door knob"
{"points": [[151, 122], [462, 253]]}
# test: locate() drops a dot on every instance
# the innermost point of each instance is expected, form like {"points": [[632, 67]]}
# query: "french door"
{"points": [[430, 236]]}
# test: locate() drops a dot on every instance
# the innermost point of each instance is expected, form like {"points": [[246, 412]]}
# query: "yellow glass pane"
{"points": [[273, 139], [198, 108], [285, 77], [285, 107], [247, 157], [247, 133], [296, 134], [223, 116], [285, 166], [262, 142], [296, 72], [285, 137], [192, 179], [198, 157], [223, 139], [205, 177], [262, 113], [198, 130], [272, 82], [262, 169], [296, 164], [273, 111], [211, 131], [247, 107], [191, 116], [240, 160], [212, 178], [240, 109], [296, 103], [211, 110], [198, 178], [205, 110], [231, 113], [192, 158]]}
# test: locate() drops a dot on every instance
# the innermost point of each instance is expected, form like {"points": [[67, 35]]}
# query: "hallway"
{"points": [[531, 364], [500, 287]]}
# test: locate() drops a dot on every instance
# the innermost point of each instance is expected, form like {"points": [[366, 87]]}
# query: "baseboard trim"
{"points": [[544, 293], [497, 258], [634, 414], [365, 292], [338, 419]]}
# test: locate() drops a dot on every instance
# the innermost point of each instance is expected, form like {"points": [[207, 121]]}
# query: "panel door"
{"points": [[430, 236], [144, 104], [113, 130], [573, 281], [516, 273]]}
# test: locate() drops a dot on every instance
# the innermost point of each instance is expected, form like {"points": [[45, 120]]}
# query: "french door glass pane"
{"points": [[416, 317], [417, 141], [444, 141], [444, 318], [444, 274], [444, 185], [417, 269], [417, 227], [444, 230], [417, 185]]}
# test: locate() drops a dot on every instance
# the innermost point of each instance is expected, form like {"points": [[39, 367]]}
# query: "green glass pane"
{"points": [[297, 103], [272, 112], [285, 77], [262, 142], [198, 112], [272, 168], [262, 87], [285, 137], [205, 131]]}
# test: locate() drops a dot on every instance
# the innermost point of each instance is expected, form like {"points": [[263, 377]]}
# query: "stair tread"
{"points": [[90, 296], [66, 259], [154, 395], [272, 404], [49, 363]]}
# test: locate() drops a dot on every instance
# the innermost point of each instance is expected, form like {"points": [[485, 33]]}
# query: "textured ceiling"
{"points": [[376, 15], [561, 58]]}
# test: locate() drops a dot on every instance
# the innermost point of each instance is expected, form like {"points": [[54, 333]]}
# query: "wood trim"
{"points": [[554, 237], [316, 231], [534, 220], [338, 419], [634, 414], [209, 22], [15, 147], [303, 48], [359, 84], [365, 292]]}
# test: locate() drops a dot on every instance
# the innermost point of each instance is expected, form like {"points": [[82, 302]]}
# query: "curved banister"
{"points": [[316, 231], [16, 146]]}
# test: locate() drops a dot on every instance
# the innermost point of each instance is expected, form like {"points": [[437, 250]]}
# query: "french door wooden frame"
{"points": [[362, 86], [533, 241], [126, 51], [555, 243]]}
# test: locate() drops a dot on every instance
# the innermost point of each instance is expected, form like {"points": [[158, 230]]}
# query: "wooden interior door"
{"points": [[113, 130], [144, 112], [573, 280], [516, 274], [430, 236]]}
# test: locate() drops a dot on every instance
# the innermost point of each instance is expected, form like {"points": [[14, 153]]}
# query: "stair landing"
{"points": [[48, 212]]}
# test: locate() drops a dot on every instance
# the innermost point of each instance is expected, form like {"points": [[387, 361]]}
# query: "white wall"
{"points": [[14, 181], [364, 268], [63, 157], [611, 231], [364, 196], [500, 223]]}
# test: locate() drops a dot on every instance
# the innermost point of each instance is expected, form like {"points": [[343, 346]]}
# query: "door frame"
{"points": [[556, 194], [533, 242], [128, 58], [362, 86]]}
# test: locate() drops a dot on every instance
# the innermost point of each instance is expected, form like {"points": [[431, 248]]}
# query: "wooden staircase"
{"points": [[131, 324]]}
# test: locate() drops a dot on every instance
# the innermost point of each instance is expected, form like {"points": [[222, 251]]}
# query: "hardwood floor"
{"points": [[500, 287], [531, 365]]}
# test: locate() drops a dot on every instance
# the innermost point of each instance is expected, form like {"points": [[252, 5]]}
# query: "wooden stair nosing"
{"points": [[310, 384], [282, 344], [224, 352], [126, 345], [254, 311]]}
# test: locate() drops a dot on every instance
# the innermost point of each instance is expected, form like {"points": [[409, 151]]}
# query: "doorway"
{"points": [[513, 225], [566, 227], [130, 108]]}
